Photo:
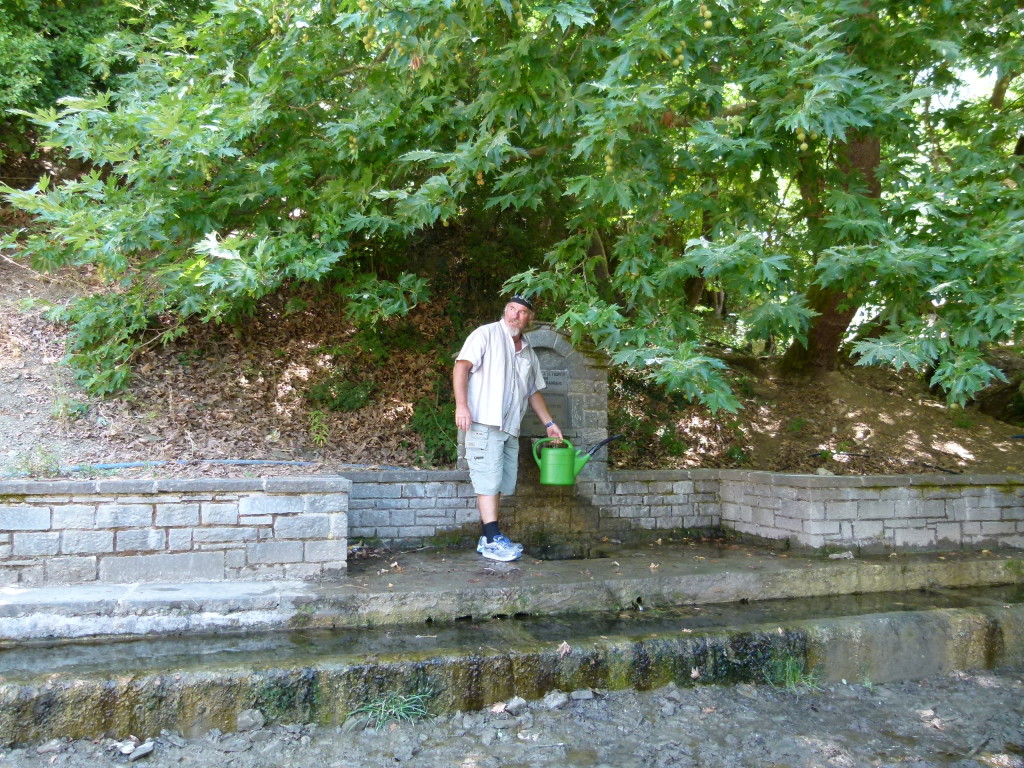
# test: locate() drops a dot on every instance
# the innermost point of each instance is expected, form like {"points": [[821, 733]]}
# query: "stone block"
{"points": [[913, 537], [203, 535], [271, 505], [318, 503], [70, 570], [86, 542], [124, 515], [24, 518], [979, 513], [32, 575], [303, 571], [876, 509], [416, 531], [302, 527], [403, 517], [179, 539], [35, 544], [269, 552], [867, 529], [424, 505], [841, 510], [338, 526], [308, 484], [821, 527], [790, 524], [326, 551], [949, 532], [376, 491], [208, 484], [998, 529], [391, 503], [144, 540], [191, 566], [369, 518], [76, 516], [214, 513], [177, 515], [259, 573], [234, 558]]}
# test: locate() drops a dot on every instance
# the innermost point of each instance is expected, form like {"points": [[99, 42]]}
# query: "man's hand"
{"points": [[463, 419], [555, 433]]}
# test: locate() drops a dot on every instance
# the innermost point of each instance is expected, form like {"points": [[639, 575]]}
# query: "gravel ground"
{"points": [[959, 720]]}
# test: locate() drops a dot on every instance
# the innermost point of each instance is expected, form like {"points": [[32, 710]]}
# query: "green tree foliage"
{"points": [[42, 43], [808, 159]]}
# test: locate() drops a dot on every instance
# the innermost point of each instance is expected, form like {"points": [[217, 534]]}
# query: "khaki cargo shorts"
{"points": [[493, 458]]}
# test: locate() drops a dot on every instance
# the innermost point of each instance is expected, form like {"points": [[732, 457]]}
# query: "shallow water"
{"points": [[291, 649]]}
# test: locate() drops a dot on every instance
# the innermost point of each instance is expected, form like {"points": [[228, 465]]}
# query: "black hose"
{"points": [[607, 440]]}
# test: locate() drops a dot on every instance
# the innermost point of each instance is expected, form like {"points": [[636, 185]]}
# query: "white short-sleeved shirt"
{"points": [[501, 380]]}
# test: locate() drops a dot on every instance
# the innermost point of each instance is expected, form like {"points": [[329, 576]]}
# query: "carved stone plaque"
{"points": [[556, 395]]}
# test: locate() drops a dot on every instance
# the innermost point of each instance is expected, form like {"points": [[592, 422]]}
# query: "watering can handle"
{"points": [[539, 443]]}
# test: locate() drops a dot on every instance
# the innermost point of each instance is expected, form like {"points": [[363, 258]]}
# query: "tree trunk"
{"points": [[861, 157], [694, 288], [825, 336], [601, 271]]}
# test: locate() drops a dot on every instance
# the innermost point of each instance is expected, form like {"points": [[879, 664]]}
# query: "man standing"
{"points": [[496, 374]]}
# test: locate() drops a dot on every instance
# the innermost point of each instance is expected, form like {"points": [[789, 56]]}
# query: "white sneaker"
{"points": [[503, 539], [502, 551]]}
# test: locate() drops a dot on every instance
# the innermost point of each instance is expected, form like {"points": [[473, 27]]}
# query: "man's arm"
{"points": [[541, 409], [460, 384]]}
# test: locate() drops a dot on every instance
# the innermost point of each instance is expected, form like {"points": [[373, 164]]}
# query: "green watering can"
{"points": [[560, 464]]}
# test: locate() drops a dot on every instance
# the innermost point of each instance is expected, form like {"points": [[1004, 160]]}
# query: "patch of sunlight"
{"points": [[954, 449], [297, 371], [988, 681], [398, 411], [862, 432]]}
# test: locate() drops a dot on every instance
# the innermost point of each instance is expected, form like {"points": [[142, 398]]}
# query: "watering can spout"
{"points": [[581, 462]]}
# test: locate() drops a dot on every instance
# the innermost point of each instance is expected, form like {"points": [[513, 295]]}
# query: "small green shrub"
{"points": [[68, 408], [319, 431], [336, 393], [37, 462], [435, 423]]}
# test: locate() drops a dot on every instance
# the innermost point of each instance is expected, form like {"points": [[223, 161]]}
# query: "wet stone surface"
{"points": [[961, 720]]}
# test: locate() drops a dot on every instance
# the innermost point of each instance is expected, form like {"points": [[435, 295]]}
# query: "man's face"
{"points": [[517, 317]]}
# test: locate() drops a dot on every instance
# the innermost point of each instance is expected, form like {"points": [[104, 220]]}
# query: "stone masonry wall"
{"points": [[118, 531], [875, 512], [127, 531], [872, 512]]}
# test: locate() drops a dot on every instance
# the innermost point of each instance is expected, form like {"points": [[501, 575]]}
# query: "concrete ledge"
{"points": [[151, 688], [444, 586]]}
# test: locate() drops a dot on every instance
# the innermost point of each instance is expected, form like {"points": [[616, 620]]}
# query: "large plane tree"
{"points": [[822, 165]]}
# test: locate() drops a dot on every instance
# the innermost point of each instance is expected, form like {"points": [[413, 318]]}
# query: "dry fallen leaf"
{"points": [[695, 673], [498, 708], [564, 649], [654, 566]]}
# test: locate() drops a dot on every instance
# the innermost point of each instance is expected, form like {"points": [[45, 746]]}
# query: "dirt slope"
{"points": [[243, 395]]}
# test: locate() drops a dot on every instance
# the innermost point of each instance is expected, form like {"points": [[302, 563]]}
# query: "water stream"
{"points": [[26, 661]]}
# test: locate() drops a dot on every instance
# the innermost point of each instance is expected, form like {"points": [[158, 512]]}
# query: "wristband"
{"points": [[549, 425]]}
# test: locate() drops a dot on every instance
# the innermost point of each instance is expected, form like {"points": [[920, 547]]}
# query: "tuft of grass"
{"points": [[395, 707], [790, 673], [37, 462]]}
